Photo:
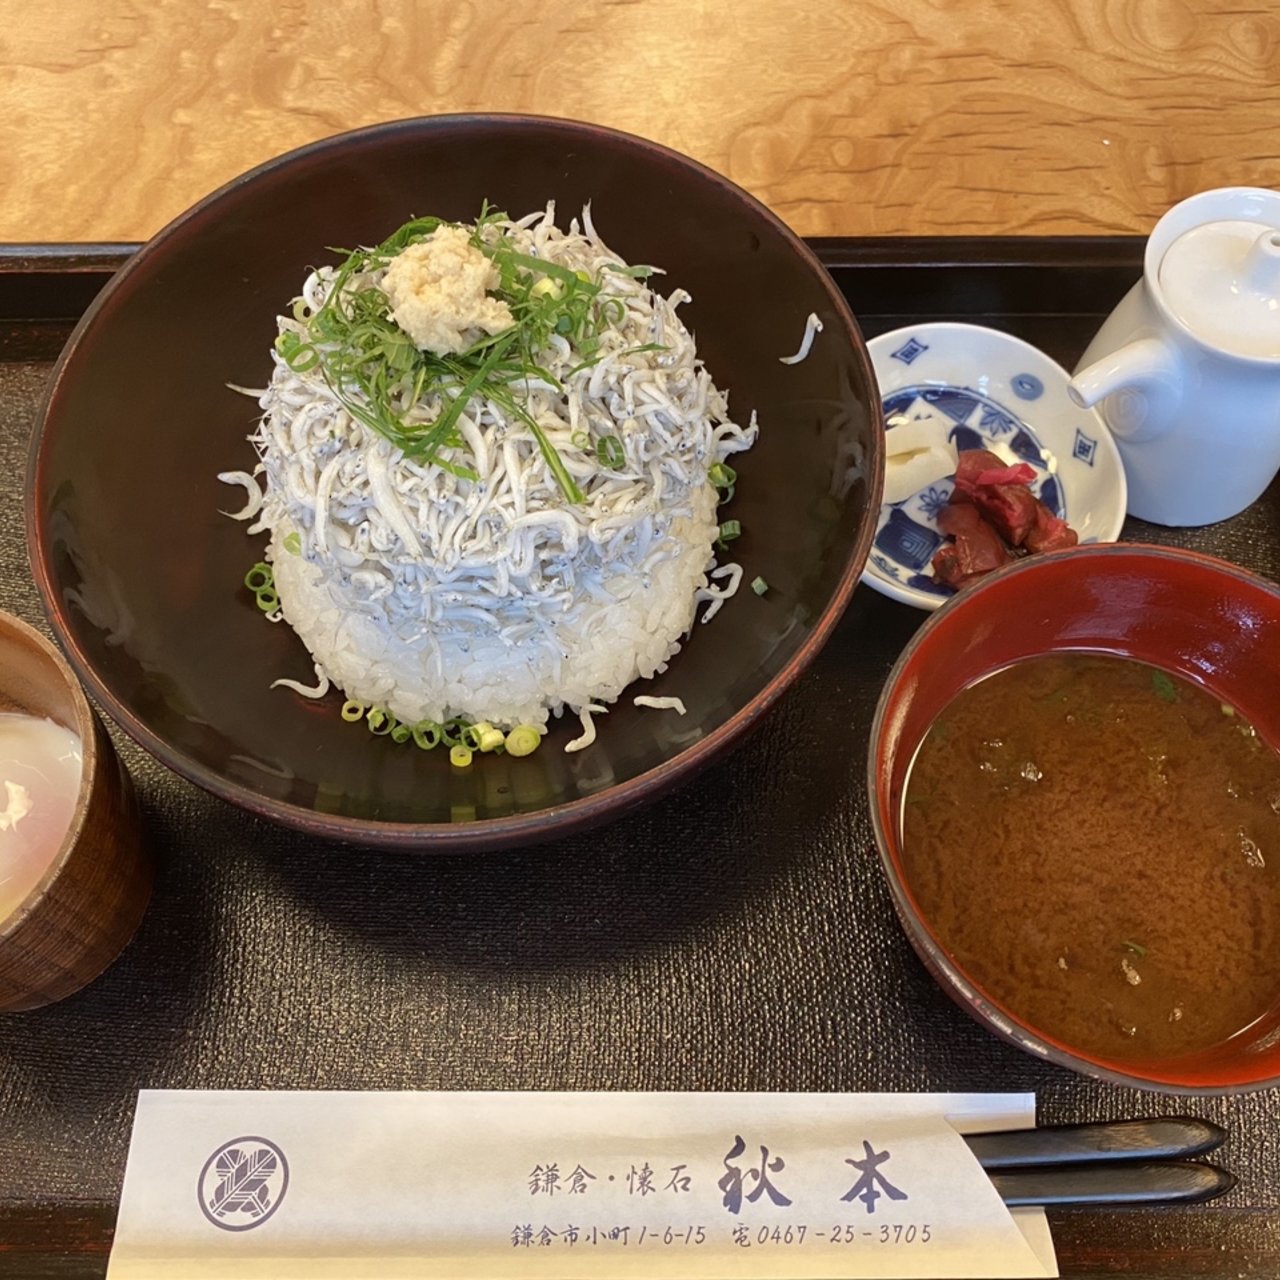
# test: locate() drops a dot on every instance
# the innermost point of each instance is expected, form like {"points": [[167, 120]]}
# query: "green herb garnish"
{"points": [[636, 273], [1136, 947], [377, 373], [1165, 689]]}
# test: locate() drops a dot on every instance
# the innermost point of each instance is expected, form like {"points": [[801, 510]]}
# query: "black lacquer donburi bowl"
{"points": [[141, 576]]}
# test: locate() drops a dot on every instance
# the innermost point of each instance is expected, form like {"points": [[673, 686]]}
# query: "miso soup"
{"points": [[1096, 843]]}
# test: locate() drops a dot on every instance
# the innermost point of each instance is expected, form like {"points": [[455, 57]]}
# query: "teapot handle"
{"points": [[1140, 386]]}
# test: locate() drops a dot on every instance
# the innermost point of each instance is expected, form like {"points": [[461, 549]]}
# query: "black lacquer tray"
{"points": [[736, 936]]}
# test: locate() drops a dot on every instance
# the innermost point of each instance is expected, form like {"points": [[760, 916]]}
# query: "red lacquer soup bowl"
{"points": [[1201, 618]]}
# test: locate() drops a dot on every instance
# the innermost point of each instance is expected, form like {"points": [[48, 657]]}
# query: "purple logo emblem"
{"points": [[243, 1183]]}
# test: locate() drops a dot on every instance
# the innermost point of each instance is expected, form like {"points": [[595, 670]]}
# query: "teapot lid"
{"points": [[1222, 280]]}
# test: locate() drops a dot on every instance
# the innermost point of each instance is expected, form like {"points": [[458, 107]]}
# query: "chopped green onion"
{"points": [[523, 740], [547, 288], [260, 576], [293, 543], [300, 356], [1137, 948], [722, 475], [267, 599], [580, 440], [610, 452], [462, 738], [481, 736], [487, 738], [728, 531], [1165, 689], [380, 722], [759, 586]]}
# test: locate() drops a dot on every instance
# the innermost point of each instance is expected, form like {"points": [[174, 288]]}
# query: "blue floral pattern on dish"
{"points": [[996, 420], [933, 499], [907, 534]]}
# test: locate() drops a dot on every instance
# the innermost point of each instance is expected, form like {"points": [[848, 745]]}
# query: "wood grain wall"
{"points": [[847, 117]]}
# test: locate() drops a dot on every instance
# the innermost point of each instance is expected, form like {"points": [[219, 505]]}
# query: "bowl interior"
{"points": [[1189, 614], [141, 575]]}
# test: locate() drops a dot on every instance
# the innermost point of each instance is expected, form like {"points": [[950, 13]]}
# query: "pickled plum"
{"points": [[993, 517]]}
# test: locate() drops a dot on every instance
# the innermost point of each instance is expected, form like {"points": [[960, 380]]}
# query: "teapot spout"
{"points": [[1141, 384], [1136, 365]]}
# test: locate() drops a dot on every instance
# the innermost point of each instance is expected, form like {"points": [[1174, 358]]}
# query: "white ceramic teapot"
{"points": [[1186, 371]]}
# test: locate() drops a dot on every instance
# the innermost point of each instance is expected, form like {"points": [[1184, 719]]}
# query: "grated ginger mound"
{"points": [[438, 291]]}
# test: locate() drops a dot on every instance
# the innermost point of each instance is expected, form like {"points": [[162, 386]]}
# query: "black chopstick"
{"points": [[1124, 1162], [1161, 1139], [1134, 1182]]}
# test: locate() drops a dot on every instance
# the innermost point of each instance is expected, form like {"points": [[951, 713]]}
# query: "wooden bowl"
{"points": [[142, 577], [88, 904]]}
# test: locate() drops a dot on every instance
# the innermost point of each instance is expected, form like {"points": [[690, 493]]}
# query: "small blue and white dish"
{"points": [[996, 392]]}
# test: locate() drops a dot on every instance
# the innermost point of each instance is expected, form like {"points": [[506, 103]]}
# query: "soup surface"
{"points": [[1097, 844]]}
